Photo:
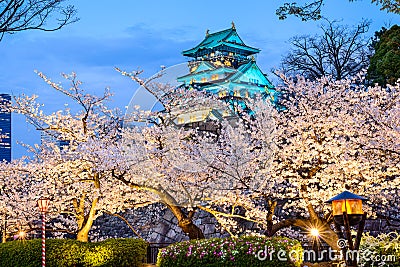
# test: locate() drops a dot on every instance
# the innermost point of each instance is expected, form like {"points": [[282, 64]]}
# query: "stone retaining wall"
{"points": [[156, 224]]}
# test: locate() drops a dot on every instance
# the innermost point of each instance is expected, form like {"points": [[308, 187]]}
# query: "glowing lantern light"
{"points": [[348, 203], [43, 204]]}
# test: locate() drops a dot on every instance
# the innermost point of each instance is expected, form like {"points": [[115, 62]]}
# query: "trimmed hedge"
{"points": [[242, 251], [66, 252]]}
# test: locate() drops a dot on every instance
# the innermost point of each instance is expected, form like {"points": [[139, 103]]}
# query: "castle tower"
{"points": [[222, 64]]}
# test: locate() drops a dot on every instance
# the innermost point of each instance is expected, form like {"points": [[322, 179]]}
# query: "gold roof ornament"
{"points": [[207, 32], [233, 25]]}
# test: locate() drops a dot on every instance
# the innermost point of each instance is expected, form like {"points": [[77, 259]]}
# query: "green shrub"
{"points": [[240, 251], [383, 250], [21, 253], [116, 252], [65, 252]]}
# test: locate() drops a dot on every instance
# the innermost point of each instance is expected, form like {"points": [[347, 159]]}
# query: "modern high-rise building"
{"points": [[51, 137], [5, 128]]}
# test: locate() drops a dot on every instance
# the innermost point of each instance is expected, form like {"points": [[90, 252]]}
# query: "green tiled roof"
{"points": [[228, 37]]}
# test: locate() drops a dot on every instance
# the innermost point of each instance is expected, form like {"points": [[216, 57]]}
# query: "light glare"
{"points": [[314, 232], [21, 234]]}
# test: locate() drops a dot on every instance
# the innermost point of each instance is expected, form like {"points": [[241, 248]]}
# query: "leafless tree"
{"points": [[22, 15], [312, 9], [340, 51]]}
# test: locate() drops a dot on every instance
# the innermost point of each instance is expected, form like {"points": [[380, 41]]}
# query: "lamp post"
{"points": [[347, 211], [43, 204]]}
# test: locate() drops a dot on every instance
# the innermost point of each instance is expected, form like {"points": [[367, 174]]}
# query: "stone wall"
{"points": [[377, 226], [155, 224]]}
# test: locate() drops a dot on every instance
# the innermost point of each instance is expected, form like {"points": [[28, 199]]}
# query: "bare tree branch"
{"points": [[339, 52], [20, 15]]}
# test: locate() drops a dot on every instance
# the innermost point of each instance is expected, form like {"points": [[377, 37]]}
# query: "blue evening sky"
{"points": [[147, 34]]}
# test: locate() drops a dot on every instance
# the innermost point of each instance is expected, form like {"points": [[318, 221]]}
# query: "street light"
{"points": [[347, 203], [43, 204], [347, 211]]}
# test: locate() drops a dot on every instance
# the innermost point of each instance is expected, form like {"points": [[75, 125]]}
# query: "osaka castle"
{"points": [[222, 64]]}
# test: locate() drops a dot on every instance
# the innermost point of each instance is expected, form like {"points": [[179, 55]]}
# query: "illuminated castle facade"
{"points": [[222, 64]]}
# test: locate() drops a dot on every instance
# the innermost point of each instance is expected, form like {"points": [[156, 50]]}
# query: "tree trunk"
{"points": [[83, 235], [83, 232], [85, 222], [326, 233], [4, 232], [271, 211], [184, 222], [191, 229]]}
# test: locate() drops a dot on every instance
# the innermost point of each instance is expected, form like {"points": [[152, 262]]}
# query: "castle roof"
{"points": [[225, 40]]}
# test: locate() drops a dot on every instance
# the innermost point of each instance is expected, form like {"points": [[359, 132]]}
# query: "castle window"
{"points": [[214, 77], [181, 120], [222, 93], [204, 79]]}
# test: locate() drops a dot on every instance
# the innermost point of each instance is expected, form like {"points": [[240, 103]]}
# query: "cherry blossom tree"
{"points": [[272, 168], [150, 155], [69, 174], [332, 136], [75, 177], [17, 207], [203, 171]]}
